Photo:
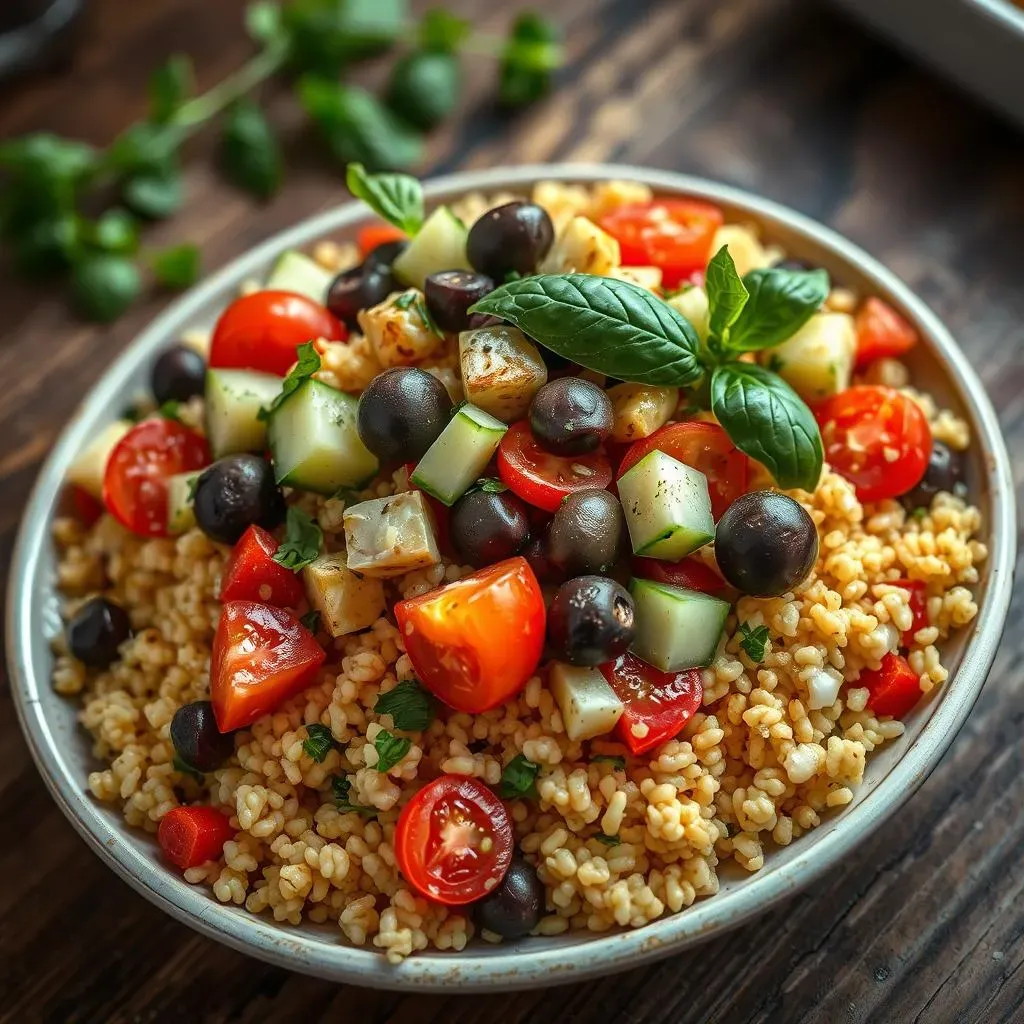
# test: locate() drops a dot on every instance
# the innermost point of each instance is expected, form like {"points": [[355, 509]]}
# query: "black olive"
{"points": [[178, 375], [945, 472], [571, 416], [536, 553], [96, 630], [357, 289], [766, 543], [587, 533], [196, 738], [402, 413], [385, 254], [590, 621], [510, 239], [487, 526], [512, 908], [450, 293], [234, 493]]}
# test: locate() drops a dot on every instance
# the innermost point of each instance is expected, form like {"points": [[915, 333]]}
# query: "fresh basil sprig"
{"points": [[308, 363], [302, 542], [398, 198]]}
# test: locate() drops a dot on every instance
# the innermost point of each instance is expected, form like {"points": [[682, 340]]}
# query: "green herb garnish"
{"points": [[390, 750], [617, 760], [308, 364], [170, 410], [409, 705], [176, 267], [398, 198], [318, 742], [608, 840], [489, 485], [302, 542], [424, 315], [311, 620], [341, 789], [519, 779], [753, 641]]}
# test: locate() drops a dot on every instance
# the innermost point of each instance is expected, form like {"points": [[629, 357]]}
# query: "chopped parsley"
{"points": [[408, 704], [303, 539], [341, 790], [390, 750], [192, 485], [428, 320], [311, 620], [608, 840], [753, 641], [319, 741], [405, 300], [170, 410], [519, 779], [308, 364], [489, 485], [617, 761]]}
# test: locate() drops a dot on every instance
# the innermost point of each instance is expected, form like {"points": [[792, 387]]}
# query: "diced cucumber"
{"points": [[667, 506], [588, 704], [180, 513], [314, 442], [676, 628], [347, 602], [390, 536], [233, 402], [439, 245], [296, 272], [90, 464], [460, 455]]}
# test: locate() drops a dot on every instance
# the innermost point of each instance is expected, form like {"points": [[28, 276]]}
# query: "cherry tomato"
{"points": [[662, 701], [261, 331], [475, 642], [688, 573], [704, 446], [190, 836], [918, 604], [85, 507], [673, 234], [374, 235], [251, 574], [135, 480], [881, 332], [877, 438], [895, 686], [453, 840], [261, 657], [543, 479]]}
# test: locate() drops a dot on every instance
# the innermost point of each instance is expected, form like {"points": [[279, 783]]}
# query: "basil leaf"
{"points": [[176, 267], [250, 154], [104, 285], [154, 195], [442, 31], [311, 620], [781, 302], [170, 410], [115, 231], [390, 750], [424, 87], [398, 198], [531, 53], [318, 742], [303, 539], [408, 704], [326, 34], [50, 244], [308, 364], [753, 641], [169, 86], [610, 326], [726, 294], [263, 21], [519, 779], [768, 421]]}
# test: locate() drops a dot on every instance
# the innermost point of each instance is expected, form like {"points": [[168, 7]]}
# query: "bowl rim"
{"points": [[522, 966]]}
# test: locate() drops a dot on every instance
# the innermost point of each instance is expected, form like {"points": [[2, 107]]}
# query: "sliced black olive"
{"points": [[402, 413], [96, 631], [590, 621], [234, 493], [357, 289], [450, 293], [510, 239], [587, 533], [571, 416]]}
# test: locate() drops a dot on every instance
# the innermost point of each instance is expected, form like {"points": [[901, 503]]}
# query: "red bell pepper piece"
{"points": [[895, 686], [251, 574], [918, 607], [190, 836]]}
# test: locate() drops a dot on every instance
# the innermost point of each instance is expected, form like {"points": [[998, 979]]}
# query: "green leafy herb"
{"points": [[263, 21], [919, 513], [341, 789], [726, 294], [425, 87], [303, 539], [326, 35], [308, 364], [250, 154], [424, 315], [781, 302], [115, 231], [442, 31], [531, 54], [604, 324], [614, 759], [766, 419], [489, 485], [519, 779], [154, 195], [409, 705], [398, 198], [170, 410], [192, 485], [311, 620], [406, 299], [169, 86], [176, 267], [390, 750], [104, 285], [318, 742], [607, 840], [753, 640], [181, 765]]}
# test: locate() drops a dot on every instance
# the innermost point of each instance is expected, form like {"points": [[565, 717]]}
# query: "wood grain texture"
{"points": [[926, 921]]}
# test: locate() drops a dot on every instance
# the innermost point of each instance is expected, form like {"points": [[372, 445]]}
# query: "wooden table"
{"points": [[926, 920]]}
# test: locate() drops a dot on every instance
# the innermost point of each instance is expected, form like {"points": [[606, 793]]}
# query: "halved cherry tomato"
{"points": [[85, 507], [543, 479], [881, 332], [135, 480], [261, 331], [373, 235], [453, 840], [261, 657], [190, 836], [251, 574], [673, 234], [877, 438], [662, 701], [688, 573], [918, 604], [704, 446], [895, 686], [475, 642]]}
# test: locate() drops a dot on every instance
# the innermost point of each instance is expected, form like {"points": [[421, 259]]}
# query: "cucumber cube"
{"points": [[233, 402], [296, 272], [90, 465], [589, 706], [180, 513], [676, 628], [439, 245]]}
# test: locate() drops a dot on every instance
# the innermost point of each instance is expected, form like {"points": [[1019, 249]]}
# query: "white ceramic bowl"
{"points": [[62, 753]]}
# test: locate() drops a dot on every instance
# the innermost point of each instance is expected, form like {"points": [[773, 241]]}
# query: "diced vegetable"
{"points": [[296, 272], [588, 704], [640, 410], [91, 462], [190, 836], [374, 235], [390, 536], [693, 304], [667, 506], [233, 401], [347, 601], [439, 245], [399, 330], [688, 573], [180, 515], [675, 628], [460, 455], [895, 687], [582, 248], [251, 574], [314, 441], [882, 333], [918, 603], [817, 361], [745, 247], [645, 277], [501, 370]]}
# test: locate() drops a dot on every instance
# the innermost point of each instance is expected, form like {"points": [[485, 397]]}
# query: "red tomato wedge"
{"points": [[135, 480], [704, 446], [881, 332], [453, 840], [261, 331], [543, 479], [895, 686], [261, 657], [190, 836], [688, 573], [673, 234], [85, 507], [918, 607], [475, 642], [251, 574], [663, 702], [877, 438], [373, 235]]}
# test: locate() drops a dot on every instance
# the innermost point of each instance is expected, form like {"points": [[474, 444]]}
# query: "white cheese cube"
{"points": [[588, 704], [347, 602], [390, 536]]}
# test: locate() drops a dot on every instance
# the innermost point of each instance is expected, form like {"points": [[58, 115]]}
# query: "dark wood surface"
{"points": [[926, 921]]}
